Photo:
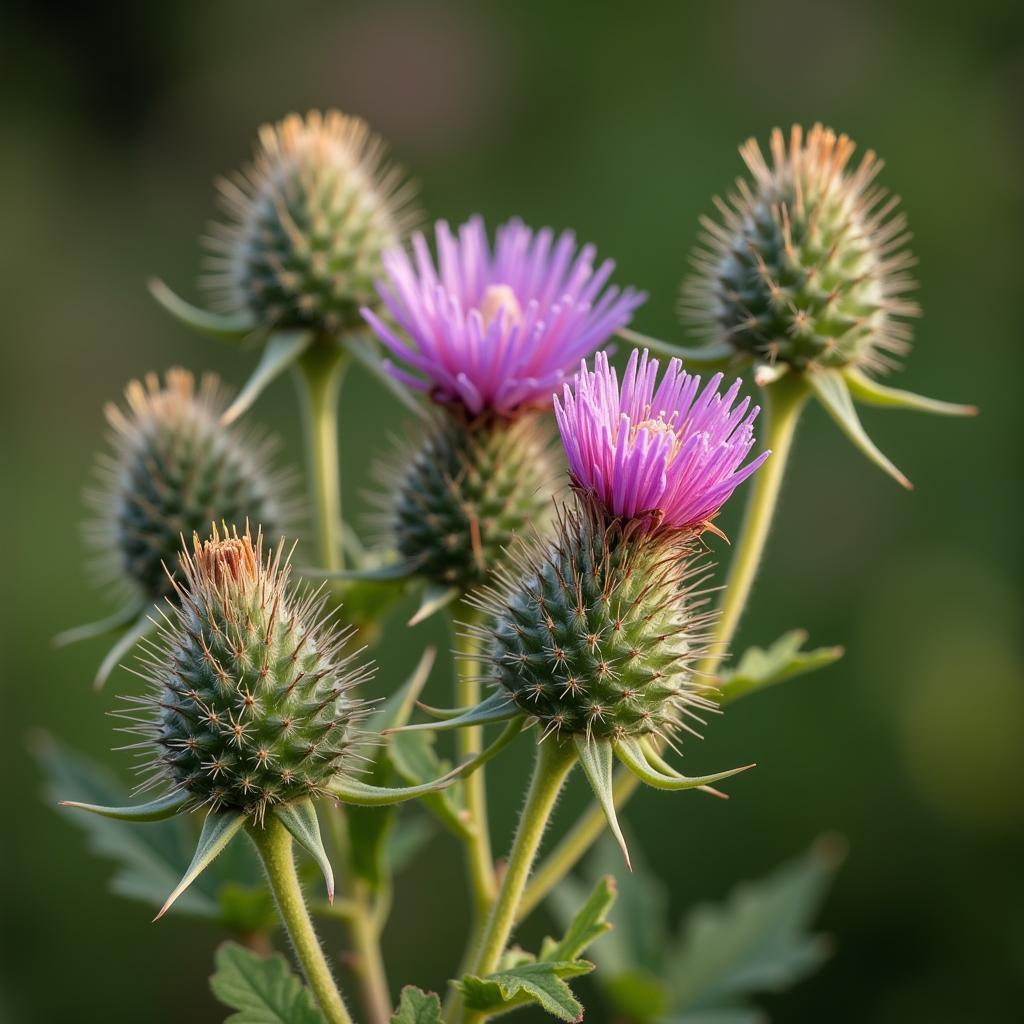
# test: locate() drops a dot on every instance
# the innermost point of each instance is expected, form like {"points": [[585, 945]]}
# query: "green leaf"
{"points": [[263, 989], [354, 791], [125, 642], [160, 809], [226, 328], [758, 941], [299, 817], [111, 624], [540, 983], [498, 707], [831, 388], [283, 348], [588, 924], [434, 598], [417, 1007], [415, 760], [866, 389], [715, 356], [760, 668], [149, 858], [638, 996], [219, 828], [596, 758], [648, 766]]}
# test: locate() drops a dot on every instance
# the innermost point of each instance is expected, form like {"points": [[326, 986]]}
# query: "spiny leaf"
{"points": [[262, 989], [588, 924], [219, 828], [540, 983], [596, 761], [226, 328], [283, 348], [831, 388], [757, 941], [417, 1007], [865, 389], [299, 817], [760, 668]]}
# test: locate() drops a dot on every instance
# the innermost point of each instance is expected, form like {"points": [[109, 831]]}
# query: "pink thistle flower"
{"points": [[671, 451], [496, 330]]}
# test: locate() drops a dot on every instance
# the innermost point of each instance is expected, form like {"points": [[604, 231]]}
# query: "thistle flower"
{"points": [[250, 710], [496, 330], [299, 249], [670, 452], [595, 634], [808, 275], [174, 470]]}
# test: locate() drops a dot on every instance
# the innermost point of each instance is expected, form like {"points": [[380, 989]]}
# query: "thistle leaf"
{"points": [[588, 924], [760, 668], [234, 329], [652, 770], [716, 356], [161, 808], [219, 828], [121, 618], [540, 983], [596, 759], [758, 941], [434, 598], [498, 707], [417, 1007], [832, 391], [124, 643], [262, 989], [416, 761], [283, 348], [299, 817], [864, 389], [352, 791]]}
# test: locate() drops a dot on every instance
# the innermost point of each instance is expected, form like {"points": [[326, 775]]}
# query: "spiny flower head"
{"points": [[809, 265], [306, 223], [670, 452], [496, 329], [175, 469], [250, 703]]}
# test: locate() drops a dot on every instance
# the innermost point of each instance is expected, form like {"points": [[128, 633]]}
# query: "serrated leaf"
{"points": [[541, 983], [149, 858], [760, 668], [758, 940], [263, 989], [588, 924], [833, 392], [417, 1007]]}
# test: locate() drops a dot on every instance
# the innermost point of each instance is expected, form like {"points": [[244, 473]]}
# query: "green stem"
{"points": [[369, 964], [784, 400], [274, 844], [321, 370], [469, 742], [555, 758]]}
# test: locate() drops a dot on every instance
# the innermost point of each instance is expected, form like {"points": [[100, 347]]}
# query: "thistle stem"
{"points": [[784, 400], [369, 965], [320, 373], [555, 758], [274, 844], [469, 742]]}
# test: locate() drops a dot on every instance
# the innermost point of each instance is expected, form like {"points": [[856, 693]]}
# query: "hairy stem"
{"points": [[784, 401], [369, 963], [469, 741], [274, 844], [321, 370], [555, 758]]}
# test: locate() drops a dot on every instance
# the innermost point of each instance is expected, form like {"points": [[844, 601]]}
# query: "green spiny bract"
{"points": [[306, 224], [175, 471], [250, 704], [809, 265], [596, 633], [455, 503]]}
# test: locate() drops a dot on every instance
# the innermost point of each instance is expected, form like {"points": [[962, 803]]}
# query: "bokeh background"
{"points": [[620, 121]]}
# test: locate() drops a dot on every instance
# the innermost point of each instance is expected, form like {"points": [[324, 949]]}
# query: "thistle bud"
{"points": [[455, 502], [251, 702], [306, 223], [175, 470], [809, 265]]}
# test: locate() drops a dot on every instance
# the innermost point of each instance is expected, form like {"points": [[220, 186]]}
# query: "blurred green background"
{"points": [[620, 122]]}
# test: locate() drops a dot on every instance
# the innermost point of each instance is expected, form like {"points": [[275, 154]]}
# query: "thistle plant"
{"points": [[589, 621]]}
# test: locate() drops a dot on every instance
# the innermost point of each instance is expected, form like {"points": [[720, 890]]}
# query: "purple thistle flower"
{"points": [[671, 448], [496, 330]]}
